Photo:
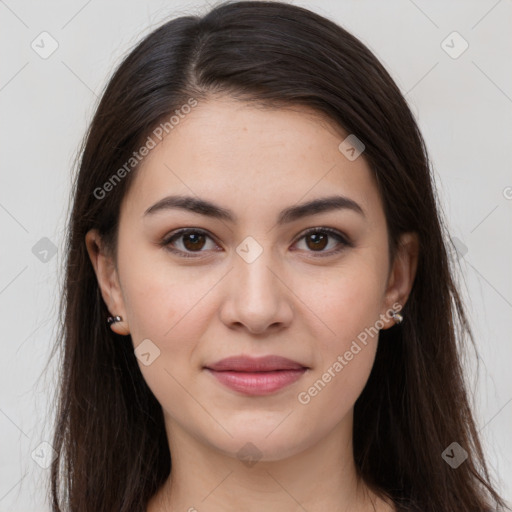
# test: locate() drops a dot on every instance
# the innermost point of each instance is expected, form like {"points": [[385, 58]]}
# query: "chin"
{"points": [[261, 444]]}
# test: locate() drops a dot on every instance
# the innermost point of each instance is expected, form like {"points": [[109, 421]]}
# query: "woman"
{"points": [[259, 311]]}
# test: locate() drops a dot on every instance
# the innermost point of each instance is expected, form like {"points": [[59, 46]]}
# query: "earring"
{"points": [[113, 319], [397, 317]]}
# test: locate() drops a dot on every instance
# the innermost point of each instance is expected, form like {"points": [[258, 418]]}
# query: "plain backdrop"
{"points": [[461, 97]]}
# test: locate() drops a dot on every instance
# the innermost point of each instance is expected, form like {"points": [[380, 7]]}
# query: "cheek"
{"points": [[164, 309], [349, 305], [170, 317], [173, 326], [159, 295], [330, 394], [345, 356], [348, 300]]}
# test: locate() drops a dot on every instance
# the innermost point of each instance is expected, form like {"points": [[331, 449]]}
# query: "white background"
{"points": [[464, 109]]}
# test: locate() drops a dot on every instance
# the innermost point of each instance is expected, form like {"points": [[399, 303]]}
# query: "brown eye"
{"points": [[187, 241], [193, 241], [318, 239]]}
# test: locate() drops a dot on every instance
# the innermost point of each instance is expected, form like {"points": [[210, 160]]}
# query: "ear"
{"points": [[402, 275], [108, 280]]}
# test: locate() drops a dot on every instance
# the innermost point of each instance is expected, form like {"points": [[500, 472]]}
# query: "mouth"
{"points": [[256, 376]]}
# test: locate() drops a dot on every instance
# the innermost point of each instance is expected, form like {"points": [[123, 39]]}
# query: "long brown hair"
{"points": [[110, 438]]}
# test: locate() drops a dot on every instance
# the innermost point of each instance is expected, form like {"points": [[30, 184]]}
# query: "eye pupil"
{"points": [[196, 237], [319, 241]]}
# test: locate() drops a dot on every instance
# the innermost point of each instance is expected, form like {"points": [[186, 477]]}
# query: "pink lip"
{"points": [[256, 376]]}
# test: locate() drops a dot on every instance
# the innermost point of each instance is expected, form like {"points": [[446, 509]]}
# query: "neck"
{"points": [[322, 477]]}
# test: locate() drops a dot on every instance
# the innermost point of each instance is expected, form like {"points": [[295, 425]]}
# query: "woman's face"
{"points": [[247, 280]]}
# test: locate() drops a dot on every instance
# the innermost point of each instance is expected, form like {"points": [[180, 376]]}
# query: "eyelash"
{"points": [[344, 242]]}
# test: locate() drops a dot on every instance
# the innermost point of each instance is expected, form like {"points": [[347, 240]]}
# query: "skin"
{"points": [[290, 301]]}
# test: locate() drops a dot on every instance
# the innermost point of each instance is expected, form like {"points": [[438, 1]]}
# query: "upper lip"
{"points": [[243, 363]]}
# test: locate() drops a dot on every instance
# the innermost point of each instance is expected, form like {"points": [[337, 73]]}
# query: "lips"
{"points": [[256, 376], [252, 364]]}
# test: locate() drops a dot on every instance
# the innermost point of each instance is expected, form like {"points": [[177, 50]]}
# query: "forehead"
{"points": [[240, 154]]}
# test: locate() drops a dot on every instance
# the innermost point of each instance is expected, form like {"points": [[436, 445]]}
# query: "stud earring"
{"points": [[113, 319], [397, 317]]}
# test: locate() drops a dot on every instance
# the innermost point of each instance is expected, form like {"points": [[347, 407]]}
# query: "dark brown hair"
{"points": [[110, 438]]}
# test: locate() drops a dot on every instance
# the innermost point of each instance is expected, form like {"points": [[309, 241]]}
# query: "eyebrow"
{"points": [[290, 214]]}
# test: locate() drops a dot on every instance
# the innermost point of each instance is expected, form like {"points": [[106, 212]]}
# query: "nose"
{"points": [[256, 297]]}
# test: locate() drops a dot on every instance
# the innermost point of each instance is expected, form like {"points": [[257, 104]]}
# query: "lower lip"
{"points": [[258, 383]]}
